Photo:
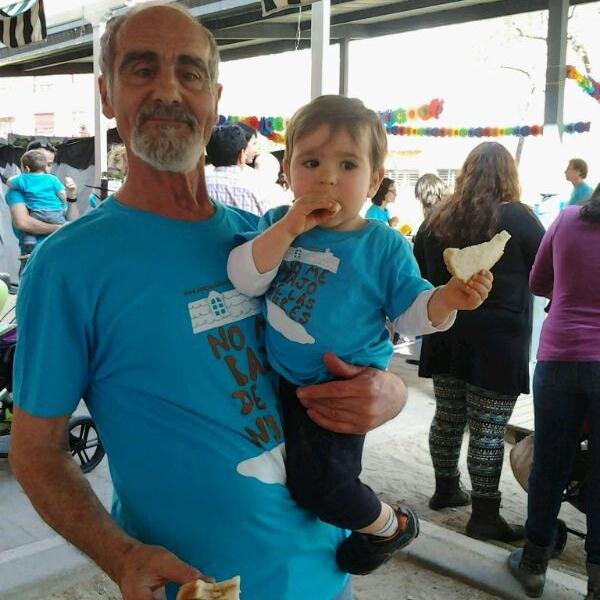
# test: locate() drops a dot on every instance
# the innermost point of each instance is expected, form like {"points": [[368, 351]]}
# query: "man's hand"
{"points": [[70, 187], [358, 400], [146, 569], [457, 295], [309, 211]]}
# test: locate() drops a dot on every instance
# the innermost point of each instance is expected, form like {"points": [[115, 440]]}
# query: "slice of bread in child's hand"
{"points": [[201, 590], [465, 262]]}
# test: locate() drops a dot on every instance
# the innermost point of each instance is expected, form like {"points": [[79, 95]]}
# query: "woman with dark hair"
{"points": [[429, 190], [386, 194], [481, 365], [566, 390]]}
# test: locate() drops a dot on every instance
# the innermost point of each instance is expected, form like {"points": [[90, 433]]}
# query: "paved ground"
{"points": [[397, 466]]}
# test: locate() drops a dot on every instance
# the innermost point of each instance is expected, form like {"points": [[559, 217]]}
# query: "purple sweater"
{"points": [[567, 270]]}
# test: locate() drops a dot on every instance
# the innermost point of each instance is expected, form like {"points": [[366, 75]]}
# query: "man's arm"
{"points": [[357, 400], [24, 222], [40, 460], [71, 198]]}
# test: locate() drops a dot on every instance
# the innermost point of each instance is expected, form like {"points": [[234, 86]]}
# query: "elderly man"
{"points": [[168, 356]]}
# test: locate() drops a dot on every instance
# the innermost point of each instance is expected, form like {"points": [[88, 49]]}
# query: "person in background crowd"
{"points": [[44, 194], [28, 229], [252, 148], [566, 390], [180, 365], [386, 194], [481, 365], [575, 173], [429, 190], [267, 168], [228, 182]]}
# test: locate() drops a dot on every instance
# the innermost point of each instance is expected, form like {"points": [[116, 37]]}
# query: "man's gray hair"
{"points": [[108, 42]]}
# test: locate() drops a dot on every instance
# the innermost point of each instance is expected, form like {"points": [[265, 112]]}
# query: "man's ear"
{"points": [[376, 179], [105, 98]]}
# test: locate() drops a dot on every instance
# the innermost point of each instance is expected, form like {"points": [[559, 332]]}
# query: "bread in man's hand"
{"points": [[201, 590], [465, 262]]}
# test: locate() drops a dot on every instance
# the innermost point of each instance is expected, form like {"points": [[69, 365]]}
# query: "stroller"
{"points": [[84, 442], [521, 459]]}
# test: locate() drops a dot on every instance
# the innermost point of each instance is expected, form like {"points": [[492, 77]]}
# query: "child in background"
{"points": [[44, 194], [330, 278]]}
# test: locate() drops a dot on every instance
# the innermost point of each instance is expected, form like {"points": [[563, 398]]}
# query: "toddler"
{"points": [[330, 278]]}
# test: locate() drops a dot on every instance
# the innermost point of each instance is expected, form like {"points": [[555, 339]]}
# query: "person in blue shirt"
{"points": [[31, 193], [44, 194], [330, 278], [575, 173], [130, 308], [385, 194]]}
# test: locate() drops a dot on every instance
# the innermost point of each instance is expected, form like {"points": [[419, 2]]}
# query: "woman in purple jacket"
{"points": [[566, 389]]}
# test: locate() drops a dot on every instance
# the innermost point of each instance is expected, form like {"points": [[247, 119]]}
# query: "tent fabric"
{"points": [[271, 6], [23, 23]]}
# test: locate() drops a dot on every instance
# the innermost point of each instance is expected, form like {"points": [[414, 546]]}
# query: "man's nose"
{"points": [[166, 87]]}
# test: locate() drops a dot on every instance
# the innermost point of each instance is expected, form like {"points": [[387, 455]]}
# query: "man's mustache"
{"points": [[168, 111]]}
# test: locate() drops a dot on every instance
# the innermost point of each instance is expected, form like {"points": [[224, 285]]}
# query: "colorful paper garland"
{"points": [[273, 128], [587, 84], [519, 130]]}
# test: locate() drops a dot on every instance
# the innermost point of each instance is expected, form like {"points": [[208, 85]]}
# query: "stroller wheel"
{"points": [[561, 538], [84, 442]]}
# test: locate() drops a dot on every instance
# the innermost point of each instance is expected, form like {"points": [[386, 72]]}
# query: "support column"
{"points": [[344, 72], [100, 121], [558, 12], [319, 44]]}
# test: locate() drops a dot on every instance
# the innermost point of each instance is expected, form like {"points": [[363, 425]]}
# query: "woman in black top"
{"points": [[480, 365]]}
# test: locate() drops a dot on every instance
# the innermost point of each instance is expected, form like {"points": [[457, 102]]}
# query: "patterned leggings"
{"points": [[487, 413]]}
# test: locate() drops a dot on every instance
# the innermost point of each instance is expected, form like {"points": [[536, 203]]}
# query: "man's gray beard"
{"points": [[167, 151]]}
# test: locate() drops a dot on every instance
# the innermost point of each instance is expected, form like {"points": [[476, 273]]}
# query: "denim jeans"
{"points": [[323, 468], [564, 393]]}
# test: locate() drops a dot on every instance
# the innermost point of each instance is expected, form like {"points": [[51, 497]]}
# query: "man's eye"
{"points": [[193, 77], [143, 72]]}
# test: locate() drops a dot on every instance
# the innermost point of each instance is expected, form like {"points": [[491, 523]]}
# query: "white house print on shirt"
{"points": [[219, 309], [326, 260]]}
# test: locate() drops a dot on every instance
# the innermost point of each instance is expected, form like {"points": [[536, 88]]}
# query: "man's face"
{"points": [[49, 158], [252, 149], [161, 94]]}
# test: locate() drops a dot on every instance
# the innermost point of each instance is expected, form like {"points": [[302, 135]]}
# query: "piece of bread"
{"points": [[465, 262], [201, 590]]}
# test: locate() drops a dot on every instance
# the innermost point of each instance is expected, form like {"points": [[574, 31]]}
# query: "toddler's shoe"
{"points": [[362, 553]]}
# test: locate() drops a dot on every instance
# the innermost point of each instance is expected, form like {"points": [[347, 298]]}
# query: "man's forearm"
{"points": [[34, 227], [64, 499], [72, 211]]}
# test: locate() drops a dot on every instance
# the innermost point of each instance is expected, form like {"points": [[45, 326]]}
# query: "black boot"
{"points": [[487, 524], [528, 565], [593, 582], [448, 493]]}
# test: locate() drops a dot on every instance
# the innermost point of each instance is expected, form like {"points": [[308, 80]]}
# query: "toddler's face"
{"points": [[334, 162]]}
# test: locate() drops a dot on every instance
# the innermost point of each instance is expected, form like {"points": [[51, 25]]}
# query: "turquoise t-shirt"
{"points": [[168, 357], [39, 190], [332, 292], [377, 213], [16, 197], [581, 192]]}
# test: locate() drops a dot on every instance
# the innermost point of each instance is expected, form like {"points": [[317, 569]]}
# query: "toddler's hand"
{"points": [[309, 211], [467, 296]]}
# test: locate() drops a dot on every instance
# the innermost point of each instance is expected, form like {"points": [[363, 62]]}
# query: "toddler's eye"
{"points": [[311, 164], [348, 165]]}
